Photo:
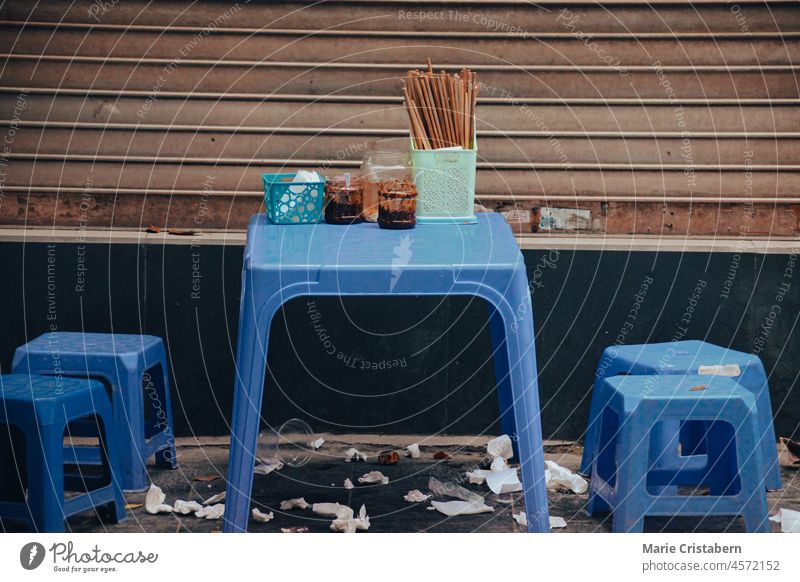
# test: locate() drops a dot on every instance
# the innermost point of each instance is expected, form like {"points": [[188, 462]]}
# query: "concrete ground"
{"points": [[203, 466]]}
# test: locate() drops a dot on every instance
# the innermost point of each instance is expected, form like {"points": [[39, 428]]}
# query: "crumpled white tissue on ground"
{"points": [[453, 490], [502, 482], [351, 524], [789, 520], [262, 517], [557, 477], [267, 467], [298, 502], [499, 464], [555, 522], [215, 498], [211, 511], [415, 496], [154, 501], [477, 477], [413, 451], [316, 444], [186, 507], [348, 484], [353, 454], [333, 510], [500, 447], [451, 508], [374, 477]]}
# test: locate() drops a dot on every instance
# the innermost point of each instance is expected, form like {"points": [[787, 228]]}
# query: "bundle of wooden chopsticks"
{"points": [[441, 108]]}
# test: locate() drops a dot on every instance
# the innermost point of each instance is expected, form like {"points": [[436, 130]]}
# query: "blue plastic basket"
{"points": [[290, 202]]}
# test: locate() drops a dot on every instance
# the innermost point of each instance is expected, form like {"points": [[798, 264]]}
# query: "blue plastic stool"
{"points": [[39, 409], [625, 479], [135, 367], [688, 357], [282, 262]]}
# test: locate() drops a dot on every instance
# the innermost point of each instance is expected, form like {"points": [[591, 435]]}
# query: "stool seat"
{"points": [[691, 357], [41, 409], [135, 369], [626, 475]]}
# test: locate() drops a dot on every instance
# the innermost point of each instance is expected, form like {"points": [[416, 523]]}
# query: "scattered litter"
{"points": [[211, 511], [353, 454], [521, 518], [789, 520], [316, 444], [500, 447], [558, 477], [215, 498], [416, 496], [452, 490], [698, 388], [502, 482], [348, 484], [336, 510], [295, 529], [431, 508], [154, 500], [262, 517], [298, 503], [351, 524], [499, 464], [478, 476], [789, 453], [388, 458], [452, 508], [413, 451], [133, 505], [186, 507], [557, 522], [205, 478], [267, 467], [374, 477], [729, 370], [442, 456]]}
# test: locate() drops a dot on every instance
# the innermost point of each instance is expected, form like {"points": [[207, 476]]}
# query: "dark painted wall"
{"points": [[431, 357]]}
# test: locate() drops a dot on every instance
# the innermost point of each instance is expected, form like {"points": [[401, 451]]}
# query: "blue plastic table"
{"points": [[282, 262]]}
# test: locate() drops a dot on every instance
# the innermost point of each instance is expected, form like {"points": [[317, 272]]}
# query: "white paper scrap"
{"points": [[729, 370], [789, 520], [265, 468], [502, 482], [374, 477], [477, 477], [351, 525], [262, 517], [215, 498], [154, 501], [558, 477], [499, 464], [336, 510], [316, 444], [453, 490], [353, 454], [298, 503], [186, 507], [557, 522], [500, 447], [452, 508], [521, 518], [348, 484], [211, 511], [413, 451], [416, 496]]}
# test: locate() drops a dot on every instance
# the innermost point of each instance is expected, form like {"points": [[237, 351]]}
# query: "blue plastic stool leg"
{"points": [[46, 482], [632, 462], [502, 379]]}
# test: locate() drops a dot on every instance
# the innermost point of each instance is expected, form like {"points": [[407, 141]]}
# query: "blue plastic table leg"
{"points": [[251, 364], [500, 358]]}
